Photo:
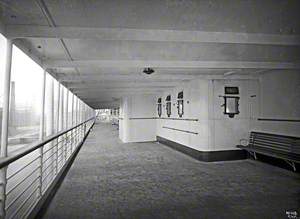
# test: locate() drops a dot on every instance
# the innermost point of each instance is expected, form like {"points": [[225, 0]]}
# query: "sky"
{"points": [[27, 76], [2, 65]]}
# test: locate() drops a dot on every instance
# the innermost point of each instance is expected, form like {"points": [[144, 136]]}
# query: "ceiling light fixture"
{"points": [[148, 71]]}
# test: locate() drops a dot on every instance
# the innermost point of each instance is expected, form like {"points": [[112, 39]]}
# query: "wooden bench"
{"points": [[277, 146]]}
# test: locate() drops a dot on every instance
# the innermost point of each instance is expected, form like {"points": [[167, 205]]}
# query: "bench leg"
{"points": [[253, 154], [292, 164]]}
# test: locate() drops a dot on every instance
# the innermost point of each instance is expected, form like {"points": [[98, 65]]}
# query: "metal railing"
{"points": [[26, 176]]}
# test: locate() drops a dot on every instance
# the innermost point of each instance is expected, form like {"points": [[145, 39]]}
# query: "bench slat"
{"points": [[276, 139], [279, 147], [258, 141]]}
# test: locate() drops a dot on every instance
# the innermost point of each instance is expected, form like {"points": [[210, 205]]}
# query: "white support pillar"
{"points": [[75, 121], [67, 110], [86, 112], [79, 128], [72, 122], [57, 127], [50, 110], [61, 121], [42, 117], [83, 111], [66, 124], [49, 120], [80, 107], [84, 117], [41, 135], [58, 108], [78, 119], [6, 92], [72, 115], [78, 110], [75, 116], [4, 133]]}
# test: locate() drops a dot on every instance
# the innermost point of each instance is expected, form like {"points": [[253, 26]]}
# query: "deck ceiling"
{"points": [[98, 49]]}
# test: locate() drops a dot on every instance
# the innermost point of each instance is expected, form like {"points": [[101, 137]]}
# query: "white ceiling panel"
{"points": [[21, 12], [137, 50], [229, 16]]}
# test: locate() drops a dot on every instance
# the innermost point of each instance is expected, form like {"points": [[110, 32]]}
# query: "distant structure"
{"points": [[12, 112]]}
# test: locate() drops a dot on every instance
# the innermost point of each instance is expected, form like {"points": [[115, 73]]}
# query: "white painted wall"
{"points": [[280, 99], [227, 132], [275, 94], [195, 107], [138, 123], [215, 130]]}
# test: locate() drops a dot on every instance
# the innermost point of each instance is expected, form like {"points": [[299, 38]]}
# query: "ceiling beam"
{"points": [[125, 79], [102, 102], [117, 93], [119, 71], [34, 31], [95, 90], [128, 89], [111, 95], [105, 106], [95, 85], [172, 64]]}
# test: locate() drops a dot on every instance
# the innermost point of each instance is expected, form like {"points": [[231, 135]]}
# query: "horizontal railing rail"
{"points": [[32, 147]]}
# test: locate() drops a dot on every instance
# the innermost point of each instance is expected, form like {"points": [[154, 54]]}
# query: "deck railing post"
{"points": [[57, 128], [66, 126], [77, 121], [72, 124], [5, 118], [61, 124], [49, 114], [41, 134], [81, 115]]}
